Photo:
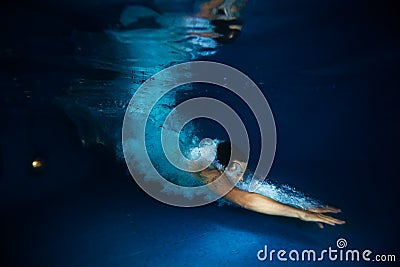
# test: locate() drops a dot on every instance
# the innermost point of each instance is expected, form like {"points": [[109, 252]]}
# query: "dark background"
{"points": [[329, 70]]}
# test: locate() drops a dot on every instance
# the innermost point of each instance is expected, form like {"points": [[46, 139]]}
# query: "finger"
{"points": [[332, 209], [327, 222], [336, 221], [325, 219], [330, 220], [320, 225]]}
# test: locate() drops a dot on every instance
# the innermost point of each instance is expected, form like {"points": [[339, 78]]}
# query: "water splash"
{"points": [[283, 193]]}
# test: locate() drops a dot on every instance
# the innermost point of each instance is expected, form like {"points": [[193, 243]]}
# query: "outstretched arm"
{"points": [[263, 204], [266, 205]]}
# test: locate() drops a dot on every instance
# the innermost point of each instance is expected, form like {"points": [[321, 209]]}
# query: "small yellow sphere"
{"points": [[37, 164]]}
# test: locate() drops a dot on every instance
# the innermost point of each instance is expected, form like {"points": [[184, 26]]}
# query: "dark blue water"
{"points": [[328, 70]]}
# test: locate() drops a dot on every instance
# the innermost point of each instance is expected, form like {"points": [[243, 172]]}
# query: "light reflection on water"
{"points": [[119, 59]]}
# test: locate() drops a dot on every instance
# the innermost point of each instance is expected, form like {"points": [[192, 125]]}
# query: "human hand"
{"points": [[319, 218]]}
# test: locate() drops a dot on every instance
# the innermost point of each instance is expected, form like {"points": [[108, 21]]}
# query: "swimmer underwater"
{"points": [[235, 171]]}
